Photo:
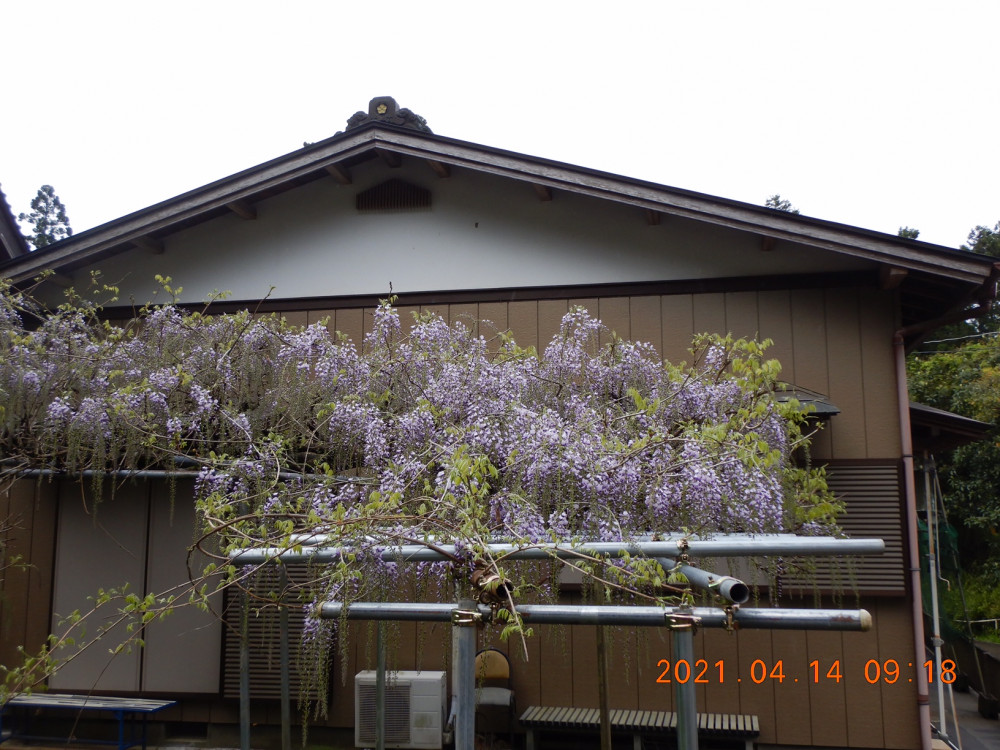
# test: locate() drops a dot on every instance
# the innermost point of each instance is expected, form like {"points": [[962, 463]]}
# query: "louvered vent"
{"points": [[873, 508], [394, 196], [397, 713], [264, 630]]}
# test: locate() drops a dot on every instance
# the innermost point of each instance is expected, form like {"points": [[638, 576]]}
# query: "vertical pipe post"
{"points": [[930, 505], [685, 702], [380, 686], [912, 540], [286, 699], [463, 640], [602, 689], [244, 671]]}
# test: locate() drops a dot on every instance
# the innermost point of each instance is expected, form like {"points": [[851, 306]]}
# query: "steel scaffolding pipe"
{"points": [[786, 545], [729, 588], [566, 614]]}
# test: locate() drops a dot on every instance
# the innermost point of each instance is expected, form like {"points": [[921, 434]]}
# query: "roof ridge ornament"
{"points": [[384, 109]]}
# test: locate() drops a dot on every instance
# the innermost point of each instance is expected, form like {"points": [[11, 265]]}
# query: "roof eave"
{"points": [[210, 199]]}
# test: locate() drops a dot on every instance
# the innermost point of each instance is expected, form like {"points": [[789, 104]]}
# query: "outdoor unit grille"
{"points": [[872, 495], [415, 704]]}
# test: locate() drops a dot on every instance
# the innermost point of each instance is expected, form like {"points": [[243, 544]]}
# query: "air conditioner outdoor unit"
{"points": [[415, 709]]}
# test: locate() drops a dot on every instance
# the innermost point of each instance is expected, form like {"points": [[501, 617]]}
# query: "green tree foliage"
{"points": [[909, 232], [48, 219], [984, 241], [780, 204], [966, 380]]}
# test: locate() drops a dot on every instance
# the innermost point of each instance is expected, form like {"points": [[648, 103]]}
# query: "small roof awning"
{"points": [[937, 430], [817, 404]]}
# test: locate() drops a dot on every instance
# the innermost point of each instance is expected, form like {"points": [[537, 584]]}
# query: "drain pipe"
{"points": [[902, 394]]}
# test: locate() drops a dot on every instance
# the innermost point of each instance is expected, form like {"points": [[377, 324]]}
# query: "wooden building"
{"points": [[477, 233]]}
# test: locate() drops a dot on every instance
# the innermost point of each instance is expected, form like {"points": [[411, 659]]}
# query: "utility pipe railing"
{"points": [[783, 545], [571, 614]]}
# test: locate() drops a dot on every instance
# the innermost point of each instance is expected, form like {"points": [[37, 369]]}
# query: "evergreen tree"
{"points": [[780, 204], [909, 232], [48, 219]]}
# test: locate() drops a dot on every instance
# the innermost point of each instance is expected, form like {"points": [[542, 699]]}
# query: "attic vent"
{"points": [[394, 195]]}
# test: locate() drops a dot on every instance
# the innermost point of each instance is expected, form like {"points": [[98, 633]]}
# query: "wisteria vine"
{"points": [[424, 433]]}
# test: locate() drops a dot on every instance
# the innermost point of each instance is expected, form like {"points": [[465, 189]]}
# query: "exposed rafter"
{"points": [[391, 158], [339, 173], [147, 242], [440, 168], [543, 191], [653, 218], [243, 209], [767, 244], [890, 277]]}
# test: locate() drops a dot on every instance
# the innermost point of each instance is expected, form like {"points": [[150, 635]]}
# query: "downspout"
{"points": [[909, 486]]}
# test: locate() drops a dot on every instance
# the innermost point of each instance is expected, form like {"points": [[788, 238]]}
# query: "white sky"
{"points": [[875, 113]]}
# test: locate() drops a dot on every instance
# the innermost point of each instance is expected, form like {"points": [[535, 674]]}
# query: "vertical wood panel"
{"points": [[646, 322], [881, 414], [40, 516], [550, 315], [755, 698], [492, 321], [295, 317], [827, 698], [557, 673], [116, 527], [741, 314], [724, 696], [864, 701], [522, 319], [183, 652], [846, 382], [315, 316], [678, 327], [791, 698], [526, 674], [406, 320], [809, 354], [466, 314], [709, 313], [614, 313], [900, 717], [585, 690], [15, 509], [350, 323], [774, 316], [653, 645]]}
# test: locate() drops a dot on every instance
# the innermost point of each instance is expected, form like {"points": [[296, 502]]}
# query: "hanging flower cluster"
{"points": [[422, 433]]}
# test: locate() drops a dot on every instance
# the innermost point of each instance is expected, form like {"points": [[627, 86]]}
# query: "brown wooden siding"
{"points": [[26, 588], [831, 340]]}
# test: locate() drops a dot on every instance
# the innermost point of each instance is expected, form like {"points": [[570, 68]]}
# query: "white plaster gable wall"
{"points": [[482, 232]]}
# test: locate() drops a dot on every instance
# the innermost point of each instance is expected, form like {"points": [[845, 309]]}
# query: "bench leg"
{"points": [[636, 742], [530, 740]]}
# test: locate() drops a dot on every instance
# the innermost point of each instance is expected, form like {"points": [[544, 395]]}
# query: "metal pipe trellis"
{"points": [[681, 620]]}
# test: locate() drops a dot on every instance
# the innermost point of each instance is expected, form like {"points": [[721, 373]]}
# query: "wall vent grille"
{"points": [[393, 196]]}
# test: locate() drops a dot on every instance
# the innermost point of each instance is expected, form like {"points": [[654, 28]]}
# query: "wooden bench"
{"points": [[133, 711], [637, 723]]}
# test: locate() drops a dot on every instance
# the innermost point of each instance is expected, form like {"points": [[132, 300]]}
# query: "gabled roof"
{"points": [[934, 281], [12, 242], [937, 430]]}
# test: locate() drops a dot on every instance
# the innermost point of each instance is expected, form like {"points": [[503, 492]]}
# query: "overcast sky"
{"points": [[876, 113]]}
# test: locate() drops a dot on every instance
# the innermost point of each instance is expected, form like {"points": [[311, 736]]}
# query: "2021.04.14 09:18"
{"points": [[875, 671]]}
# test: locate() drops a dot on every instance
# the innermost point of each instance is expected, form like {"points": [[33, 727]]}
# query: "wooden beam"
{"points": [[653, 217], [391, 158], [544, 192], [243, 209], [149, 243], [340, 174], [440, 168], [890, 277]]}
